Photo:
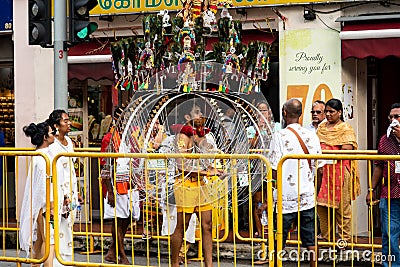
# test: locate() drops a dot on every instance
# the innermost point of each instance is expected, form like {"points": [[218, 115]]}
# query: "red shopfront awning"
{"points": [[95, 71], [370, 39]]}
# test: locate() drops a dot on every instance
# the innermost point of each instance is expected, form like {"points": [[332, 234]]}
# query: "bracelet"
{"points": [[371, 189]]}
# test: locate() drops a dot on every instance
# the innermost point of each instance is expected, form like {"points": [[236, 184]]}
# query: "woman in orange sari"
{"points": [[340, 181]]}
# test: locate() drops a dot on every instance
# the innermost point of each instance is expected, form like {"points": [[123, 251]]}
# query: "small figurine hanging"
{"points": [[166, 21], [209, 22], [262, 65], [187, 39], [128, 53], [116, 52], [257, 62], [188, 42], [233, 35], [146, 62], [146, 59], [231, 63]]}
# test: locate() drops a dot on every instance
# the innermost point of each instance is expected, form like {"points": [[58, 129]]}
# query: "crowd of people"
{"points": [[329, 186]]}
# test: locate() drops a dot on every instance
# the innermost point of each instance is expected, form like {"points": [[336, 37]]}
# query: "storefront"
{"points": [[7, 73]]}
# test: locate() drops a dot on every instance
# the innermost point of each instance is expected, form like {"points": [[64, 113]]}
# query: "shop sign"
{"points": [[6, 15], [310, 61], [107, 7]]}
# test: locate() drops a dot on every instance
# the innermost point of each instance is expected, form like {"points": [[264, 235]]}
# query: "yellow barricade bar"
{"points": [[4, 226]]}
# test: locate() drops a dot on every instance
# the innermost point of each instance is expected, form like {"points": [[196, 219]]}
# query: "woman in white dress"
{"points": [[32, 219], [66, 183]]}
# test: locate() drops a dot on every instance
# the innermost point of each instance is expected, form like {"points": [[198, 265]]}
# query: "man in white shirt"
{"points": [[317, 114], [297, 179]]}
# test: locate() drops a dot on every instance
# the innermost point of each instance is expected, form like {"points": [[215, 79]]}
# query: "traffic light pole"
{"points": [[60, 55]]}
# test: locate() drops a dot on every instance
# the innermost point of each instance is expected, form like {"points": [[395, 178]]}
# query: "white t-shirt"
{"points": [[285, 142], [311, 128]]}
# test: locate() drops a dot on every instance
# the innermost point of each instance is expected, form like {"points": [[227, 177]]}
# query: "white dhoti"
{"points": [[125, 205]]}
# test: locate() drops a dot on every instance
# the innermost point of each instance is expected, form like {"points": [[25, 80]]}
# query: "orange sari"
{"points": [[334, 174]]}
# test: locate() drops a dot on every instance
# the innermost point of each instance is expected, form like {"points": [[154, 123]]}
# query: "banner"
{"points": [[110, 7], [310, 67], [6, 15]]}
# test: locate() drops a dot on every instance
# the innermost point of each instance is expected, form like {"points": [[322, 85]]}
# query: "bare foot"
{"points": [[110, 257], [124, 261]]}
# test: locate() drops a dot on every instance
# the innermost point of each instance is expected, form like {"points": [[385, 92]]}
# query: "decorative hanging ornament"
{"points": [[146, 59], [262, 65], [231, 62]]}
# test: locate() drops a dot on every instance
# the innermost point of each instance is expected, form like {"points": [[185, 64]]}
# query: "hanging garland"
{"points": [[179, 41]]}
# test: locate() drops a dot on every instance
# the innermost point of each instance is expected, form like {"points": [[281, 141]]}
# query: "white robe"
{"points": [[66, 185], [34, 200]]}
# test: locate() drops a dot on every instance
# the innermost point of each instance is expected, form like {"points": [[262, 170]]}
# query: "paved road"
{"points": [[153, 260]]}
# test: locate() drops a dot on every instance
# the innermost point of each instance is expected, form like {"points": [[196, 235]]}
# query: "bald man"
{"points": [[297, 183]]}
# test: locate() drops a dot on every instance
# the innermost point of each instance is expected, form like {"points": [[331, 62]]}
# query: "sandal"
{"points": [[182, 260], [146, 236]]}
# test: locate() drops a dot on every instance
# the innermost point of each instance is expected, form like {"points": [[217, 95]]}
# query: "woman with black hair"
{"points": [[340, 183], [32, 220]]}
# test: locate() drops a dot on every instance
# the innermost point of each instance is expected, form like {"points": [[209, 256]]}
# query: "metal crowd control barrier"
{"points": [[9, 225], [93, 233], [160, 245], [339, 248]]}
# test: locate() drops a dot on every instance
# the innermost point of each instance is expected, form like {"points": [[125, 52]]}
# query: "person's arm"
{"points": [[159, 137], [376, 179]]}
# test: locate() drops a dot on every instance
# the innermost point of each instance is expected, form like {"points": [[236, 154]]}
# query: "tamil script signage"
{"points": [[107, 7], [6, 15]]}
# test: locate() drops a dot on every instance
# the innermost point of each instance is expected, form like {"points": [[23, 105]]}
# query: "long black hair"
{"points": [[337, 105], [37, 132]]}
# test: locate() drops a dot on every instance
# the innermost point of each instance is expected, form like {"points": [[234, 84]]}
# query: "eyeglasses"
{"points": [[396, 116], [316, 111], [330, 111]]}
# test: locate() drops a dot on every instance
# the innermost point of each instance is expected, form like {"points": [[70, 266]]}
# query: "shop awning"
{"points": [[94, 71], [378, 39], [90, 61]]}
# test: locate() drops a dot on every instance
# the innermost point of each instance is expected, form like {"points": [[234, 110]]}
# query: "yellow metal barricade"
{"points": [[364, 248], [155, 168], [13, 191], [92, 234]]}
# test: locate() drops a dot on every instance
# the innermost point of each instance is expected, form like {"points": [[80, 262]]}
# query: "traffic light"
{"points": [[40, 22], [79, 25]]}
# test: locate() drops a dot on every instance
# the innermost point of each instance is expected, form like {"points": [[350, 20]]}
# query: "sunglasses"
{"points": [[316, 111], [396, 116]]}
